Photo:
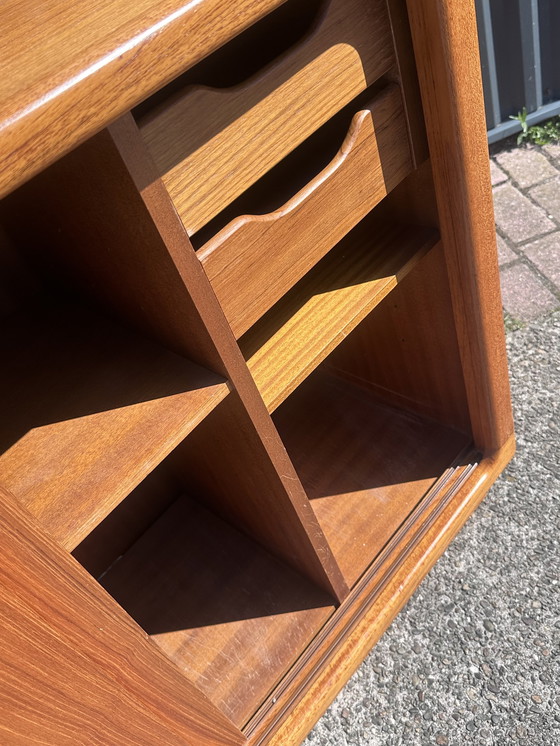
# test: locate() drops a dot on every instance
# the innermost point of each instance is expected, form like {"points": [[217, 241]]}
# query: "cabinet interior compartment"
{"points": [[382, 418], [298, 332], [231, 615], [89, 406], [212, 143]]}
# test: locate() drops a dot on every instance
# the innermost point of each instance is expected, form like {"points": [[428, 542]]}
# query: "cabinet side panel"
{"points": [[446, 51], [75, 668]]}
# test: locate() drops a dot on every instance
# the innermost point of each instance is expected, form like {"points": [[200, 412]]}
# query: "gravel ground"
{"points": [[473, 657]]}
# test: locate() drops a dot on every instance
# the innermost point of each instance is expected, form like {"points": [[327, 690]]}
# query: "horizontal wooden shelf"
{"points": [[365, 465], [210, 145], [290, 341], [230, 615], [89, 410], [257, 258]]}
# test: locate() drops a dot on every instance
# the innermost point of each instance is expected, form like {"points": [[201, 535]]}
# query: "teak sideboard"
{"points": [[253, 365]]}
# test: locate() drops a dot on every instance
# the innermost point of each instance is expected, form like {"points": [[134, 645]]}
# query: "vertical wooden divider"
{"points": [[288, 524]]}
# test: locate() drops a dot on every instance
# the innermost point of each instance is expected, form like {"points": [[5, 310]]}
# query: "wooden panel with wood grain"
{"points": [[406, 365], [298, 333], [298, 533], [226, 612], [117, 238], [103, 408], [448, 63], [211, 144], [255, 259], [246, 563], [75, 667], [70, 69], [294, 707], [224, 462], [356, 456]]}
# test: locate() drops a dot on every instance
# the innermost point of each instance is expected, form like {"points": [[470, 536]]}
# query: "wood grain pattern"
{"points": [[359, 623], [76, 671], [102, 410], [126, 523], [300, 534], [70, 69], [254, 260], [232, 617], [414, 362], [405, 74], [368, 467], [297, 334], [446, 49], [97, 236], [211, 144], [224, 462]]}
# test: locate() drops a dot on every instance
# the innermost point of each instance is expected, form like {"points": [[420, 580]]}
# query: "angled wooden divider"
{"points": [[302, 543], [112, 684]]}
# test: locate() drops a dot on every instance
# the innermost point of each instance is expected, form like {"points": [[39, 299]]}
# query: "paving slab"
{"points": [[517, 216], [505, 254], [472, 660], [528, 166], [545, 254], [548, 197], [496, 174], [523, 294], [553, 150]]}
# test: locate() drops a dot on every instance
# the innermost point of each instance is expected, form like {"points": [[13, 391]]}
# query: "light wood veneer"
{"points": [[211, 145], [243, 262]]}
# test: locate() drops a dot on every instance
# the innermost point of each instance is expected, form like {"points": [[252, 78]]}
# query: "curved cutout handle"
{"points": [[255, 259], [212, 144]]}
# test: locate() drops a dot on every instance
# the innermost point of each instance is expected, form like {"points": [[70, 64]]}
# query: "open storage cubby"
{"points": [[369, 436], [365, 465], [232, 616], [322, 309], [90, 406]]}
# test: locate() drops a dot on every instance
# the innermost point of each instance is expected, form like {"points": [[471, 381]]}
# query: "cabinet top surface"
{"points": [[71, 68]]}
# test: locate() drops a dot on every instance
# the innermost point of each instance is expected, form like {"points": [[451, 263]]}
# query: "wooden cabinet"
{"points": [[254, 374]]}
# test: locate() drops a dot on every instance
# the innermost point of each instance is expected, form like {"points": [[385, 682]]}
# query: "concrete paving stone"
{"points": [[505, 254], [524, 296], [517, 216], [553, 150], [496, 173], [528, 166], [548, 196], [545, 253]]}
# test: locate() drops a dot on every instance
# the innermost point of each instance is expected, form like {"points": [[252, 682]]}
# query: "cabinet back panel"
{"points": [[407, 349]]}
